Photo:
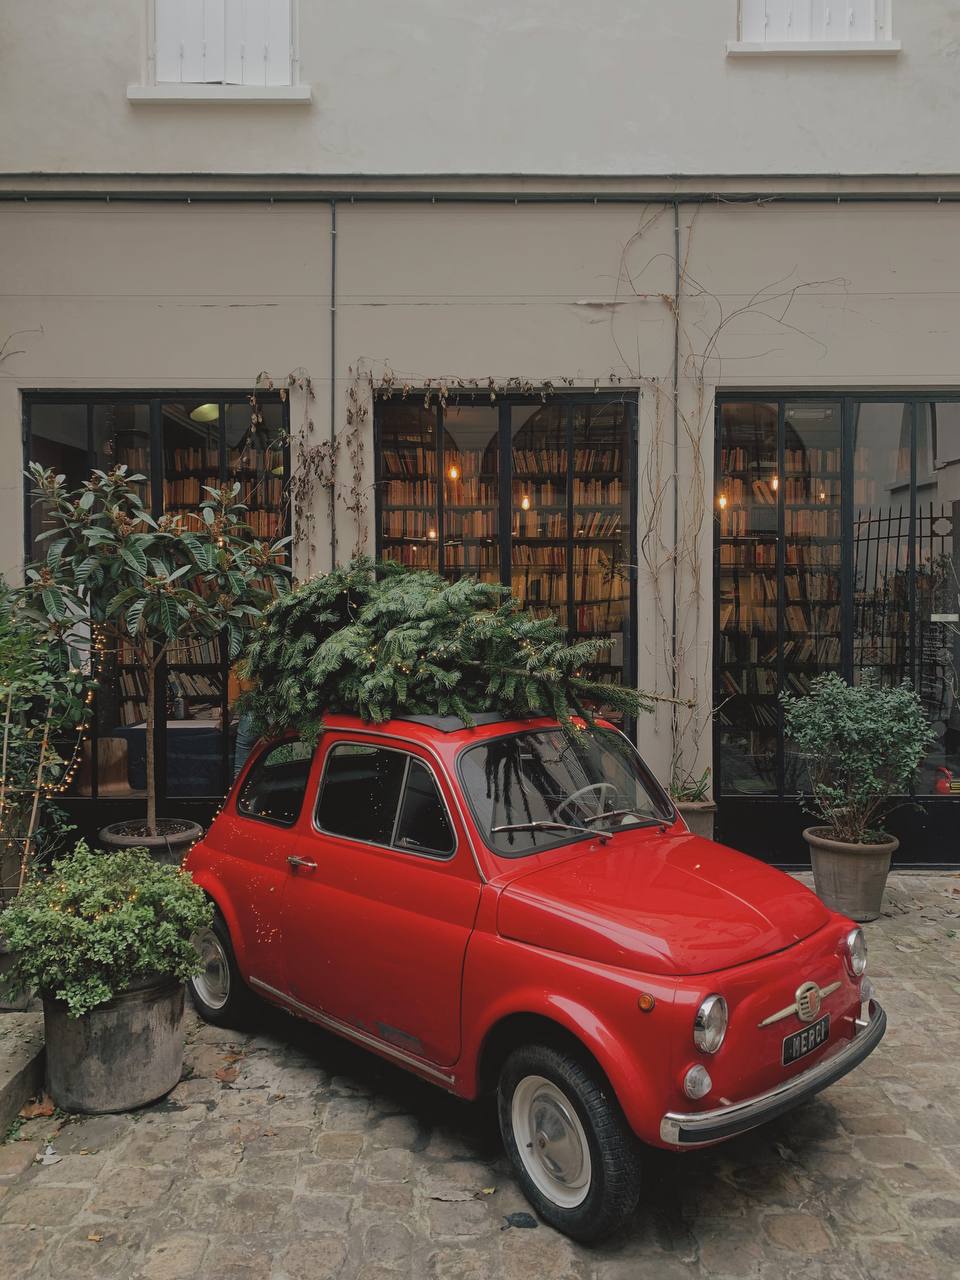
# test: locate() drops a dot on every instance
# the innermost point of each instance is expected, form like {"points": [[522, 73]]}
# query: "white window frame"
{"points": [[883, 42], [150, 90]]}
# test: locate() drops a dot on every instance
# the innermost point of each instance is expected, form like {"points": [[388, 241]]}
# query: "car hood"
{"points": [[671, 904]]}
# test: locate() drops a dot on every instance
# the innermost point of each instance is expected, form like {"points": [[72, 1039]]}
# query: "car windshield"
{"points": [[532, 791]]}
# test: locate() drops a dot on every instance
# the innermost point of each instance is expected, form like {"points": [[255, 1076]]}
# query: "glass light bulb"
{"points": [[525, 503], [722, 502], [454, 472]]}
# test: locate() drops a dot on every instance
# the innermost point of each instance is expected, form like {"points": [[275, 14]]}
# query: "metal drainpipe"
{"points": [[675, 681], [333, 383]]}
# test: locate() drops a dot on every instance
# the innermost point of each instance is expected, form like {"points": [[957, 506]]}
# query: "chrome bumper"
{"points": [[696, 1127]]}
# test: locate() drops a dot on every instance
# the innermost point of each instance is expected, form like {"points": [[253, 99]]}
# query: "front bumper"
{"points": [[695, 1128]]}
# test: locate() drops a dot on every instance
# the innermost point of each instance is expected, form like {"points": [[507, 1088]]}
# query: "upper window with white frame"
{"points": [[826, 26], [232, 42]]}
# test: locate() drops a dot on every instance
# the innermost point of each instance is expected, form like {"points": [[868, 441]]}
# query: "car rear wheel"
{"points": [[570, 1145], [218, 992]]}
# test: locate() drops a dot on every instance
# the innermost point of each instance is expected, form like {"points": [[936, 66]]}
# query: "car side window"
{"points": [[360, 791], [385, 797], [423, 822], [274, 788]]}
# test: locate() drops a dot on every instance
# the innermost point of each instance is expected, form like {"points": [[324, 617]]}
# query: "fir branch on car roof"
{"points": [[379, 641]]}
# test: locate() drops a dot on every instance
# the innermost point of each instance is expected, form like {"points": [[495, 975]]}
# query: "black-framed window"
{"points": [[540, 496], [379, 795], [837, 549], [180, 442]]}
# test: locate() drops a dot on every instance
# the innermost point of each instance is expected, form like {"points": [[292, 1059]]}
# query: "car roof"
{"points": [[485, 724]]}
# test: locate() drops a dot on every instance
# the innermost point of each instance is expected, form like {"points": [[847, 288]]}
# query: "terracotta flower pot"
{"points": [[850, 878]]}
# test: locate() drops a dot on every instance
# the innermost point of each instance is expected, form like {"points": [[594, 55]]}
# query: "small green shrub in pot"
{"points": [[861, 745], [105, 940]]}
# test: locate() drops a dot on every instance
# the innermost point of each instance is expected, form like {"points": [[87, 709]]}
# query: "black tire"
{"points": [[611, 1188], [219, 994]]}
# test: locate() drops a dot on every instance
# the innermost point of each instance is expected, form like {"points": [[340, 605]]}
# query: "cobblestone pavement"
{"points": [[287, 1154]]}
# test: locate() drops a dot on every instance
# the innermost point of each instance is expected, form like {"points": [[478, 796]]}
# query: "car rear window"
{"points": [[274, 788], [382, 796]]}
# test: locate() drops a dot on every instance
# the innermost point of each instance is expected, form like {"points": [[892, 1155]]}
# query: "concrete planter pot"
{"points": [[699, 815], [121, 1055], [175, 837], [850, 878]]}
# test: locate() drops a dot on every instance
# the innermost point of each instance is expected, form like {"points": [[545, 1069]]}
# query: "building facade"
{"points": [[646, 311]]}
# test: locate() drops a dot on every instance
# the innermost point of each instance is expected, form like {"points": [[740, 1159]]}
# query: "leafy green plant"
{"points": [[43, 703], [690, 789], [145, 585], [96, 922], [861, 745], [379, 640]]}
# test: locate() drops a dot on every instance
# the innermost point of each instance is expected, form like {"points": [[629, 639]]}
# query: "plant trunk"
{"points": [[151, 666], [35, 809]]}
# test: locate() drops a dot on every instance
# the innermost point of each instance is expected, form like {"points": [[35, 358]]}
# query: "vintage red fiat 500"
{"points": [[510, 907]]}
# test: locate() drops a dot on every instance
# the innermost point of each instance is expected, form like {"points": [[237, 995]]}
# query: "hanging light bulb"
{"points": [[432, 534], [722, 502], [454, 471], [525, 503], [775, 483]]}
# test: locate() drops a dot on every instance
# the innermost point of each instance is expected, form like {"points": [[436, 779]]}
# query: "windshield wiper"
{"points": [[544, 825]]}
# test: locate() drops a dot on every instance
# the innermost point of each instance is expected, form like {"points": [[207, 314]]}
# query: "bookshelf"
{"points": [[535, 495], [779, 516]]}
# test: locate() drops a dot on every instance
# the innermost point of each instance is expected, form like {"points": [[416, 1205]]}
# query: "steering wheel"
{"points": [[600, 789]]}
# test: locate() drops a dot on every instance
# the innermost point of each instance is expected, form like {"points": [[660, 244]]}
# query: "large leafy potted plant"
{"points": [[146, 586], [105, 940], [861, 745]]}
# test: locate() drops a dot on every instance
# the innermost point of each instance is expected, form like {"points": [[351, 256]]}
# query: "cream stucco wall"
{"points": [[141, 296], [503, 87]]}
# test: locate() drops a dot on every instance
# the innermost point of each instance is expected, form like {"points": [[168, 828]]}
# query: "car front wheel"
{"points": [[572, 1149], [218, 992]]}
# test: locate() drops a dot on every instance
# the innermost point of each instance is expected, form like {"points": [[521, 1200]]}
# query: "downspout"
{"points": [[675, 679], [333, 384]]}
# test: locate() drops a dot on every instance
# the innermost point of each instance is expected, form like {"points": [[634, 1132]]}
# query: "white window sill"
{"points": [[166, 93], [846, 48]]}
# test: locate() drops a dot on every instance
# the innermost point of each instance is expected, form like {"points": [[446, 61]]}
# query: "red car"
{"points": [[519, 909]]}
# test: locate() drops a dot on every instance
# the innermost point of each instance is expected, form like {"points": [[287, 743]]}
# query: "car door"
{"points": [[248, 846], [378, 911]]}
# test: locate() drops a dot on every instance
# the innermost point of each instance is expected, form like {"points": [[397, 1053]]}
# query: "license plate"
{"points": [[800, 1043]]}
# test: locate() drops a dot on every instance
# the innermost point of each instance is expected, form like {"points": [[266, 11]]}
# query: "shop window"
{"points": [[538, 496], [244, 42], [837, 551], [180, 447]]}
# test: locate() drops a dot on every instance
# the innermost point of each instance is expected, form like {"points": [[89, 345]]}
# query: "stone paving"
{"points": [[286, 1154]]}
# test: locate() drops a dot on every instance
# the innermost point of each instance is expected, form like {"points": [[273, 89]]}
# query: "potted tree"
{"points": [[691, 795], [105, 940], [861, 745], [144, 587]]}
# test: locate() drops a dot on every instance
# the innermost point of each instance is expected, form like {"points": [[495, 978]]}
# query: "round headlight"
{"points": [[710, 1024], [855, 946]]}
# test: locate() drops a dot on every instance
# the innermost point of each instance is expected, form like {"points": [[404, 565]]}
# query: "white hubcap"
{"points": [[212, 983], [551, 1140]]}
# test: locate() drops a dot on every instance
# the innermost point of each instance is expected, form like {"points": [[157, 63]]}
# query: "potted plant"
{"points": [[105, 940], [144, 587], [691, 795], [861, 745]]}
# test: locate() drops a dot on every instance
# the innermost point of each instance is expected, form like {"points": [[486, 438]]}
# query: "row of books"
{"points": [[598, 524], [194, 686], [410, 493], [811, 586], [195, 459], [409, 460], [534, 461], [822, 650], [468, 524], [751, 555], [811, 489], [812, 524], [457, 556], [811, 459], [822, 617]]}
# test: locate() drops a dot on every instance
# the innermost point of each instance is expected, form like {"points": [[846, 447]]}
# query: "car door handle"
{"points": [[301, 862]]}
